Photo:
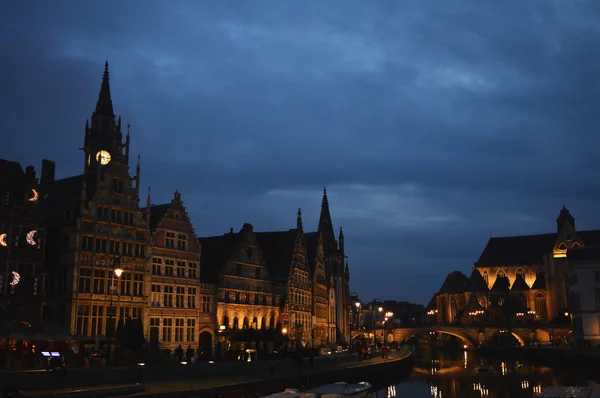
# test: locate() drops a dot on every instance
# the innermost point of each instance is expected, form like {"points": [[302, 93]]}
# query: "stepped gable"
{"points": [[540, 282], [456, 282], [501, 285], [519, 285], [477, 283]]}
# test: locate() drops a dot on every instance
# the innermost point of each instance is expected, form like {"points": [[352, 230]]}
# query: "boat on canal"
{"points": [[335, 390], [570, 392]]}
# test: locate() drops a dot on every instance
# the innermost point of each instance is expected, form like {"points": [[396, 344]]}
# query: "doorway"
{"points": [[205, 345]]}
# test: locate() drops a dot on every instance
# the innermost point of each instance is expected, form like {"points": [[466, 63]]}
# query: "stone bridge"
{"points": [[473, 336]]}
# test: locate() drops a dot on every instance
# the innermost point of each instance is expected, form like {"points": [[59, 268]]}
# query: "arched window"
{"points": [[272, 320], [500, 274], [236, 323], [576, 244], [562, 246], [255, 323], [453, 309], [262, 322], [225, 321], [540, 307], [520, 273], [245, 324], [486, 278], [483, 301]]}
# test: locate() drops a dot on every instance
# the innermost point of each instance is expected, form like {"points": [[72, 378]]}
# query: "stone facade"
{"points": [[181, 309], [98, 227], [179, 289]]}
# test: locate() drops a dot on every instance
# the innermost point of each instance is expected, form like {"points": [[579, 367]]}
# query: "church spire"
{"points": [[325, 226], [104, 105], [299, 221]]}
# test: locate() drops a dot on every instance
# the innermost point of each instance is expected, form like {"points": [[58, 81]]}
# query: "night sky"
{"points": [[432, 123]]}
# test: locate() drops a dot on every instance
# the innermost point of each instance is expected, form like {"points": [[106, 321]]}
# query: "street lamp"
{"points": [[118, 272], [380, 309], [351, 321]]}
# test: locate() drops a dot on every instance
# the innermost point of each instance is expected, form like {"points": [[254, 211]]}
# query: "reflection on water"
{"points": [[444, 374]]}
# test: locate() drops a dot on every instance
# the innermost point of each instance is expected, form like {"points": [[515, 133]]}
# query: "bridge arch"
{"points": [[514, 334], [406, 333]]}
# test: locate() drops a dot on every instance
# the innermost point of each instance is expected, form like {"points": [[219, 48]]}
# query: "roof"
{"points": [[456, 282], [476, 283], [540, 282], [526, 249], [519, 284], [501, 285]]}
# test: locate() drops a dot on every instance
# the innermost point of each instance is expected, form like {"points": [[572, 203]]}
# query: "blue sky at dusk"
{"points": [[431, 123]]}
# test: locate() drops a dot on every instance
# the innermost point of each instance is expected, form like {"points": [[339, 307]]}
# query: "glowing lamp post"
{"points": [[380, 309]]}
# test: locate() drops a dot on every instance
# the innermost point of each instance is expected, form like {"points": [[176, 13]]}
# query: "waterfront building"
{"points": [[23, 280], [181, 309], [109, 259], [99, 241], [584, 294], [528, 270]]}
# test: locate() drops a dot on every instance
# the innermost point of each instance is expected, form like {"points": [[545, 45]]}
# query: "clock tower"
{"points": [[105, 152], [100, 229]]}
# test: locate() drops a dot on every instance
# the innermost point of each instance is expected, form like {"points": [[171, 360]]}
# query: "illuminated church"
{"points": [[531, 269]]}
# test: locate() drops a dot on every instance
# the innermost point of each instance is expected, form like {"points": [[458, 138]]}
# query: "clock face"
{"points": [[103, 157]]}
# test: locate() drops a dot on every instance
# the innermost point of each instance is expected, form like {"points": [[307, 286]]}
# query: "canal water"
{"points": [[452, 374]]}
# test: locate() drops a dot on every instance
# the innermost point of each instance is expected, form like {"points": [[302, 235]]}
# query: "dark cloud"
{"points": [[431, 125]]}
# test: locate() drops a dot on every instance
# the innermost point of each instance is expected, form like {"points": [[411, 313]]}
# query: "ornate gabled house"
{"points": [[181, 308], [97, 227], [22, 244], [247, 296]]}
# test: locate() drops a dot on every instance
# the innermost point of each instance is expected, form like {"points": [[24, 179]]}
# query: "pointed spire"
{"points": [[138, 172], [104, 105], [325, 226], [177, 196], [341, 233], [299, 220], [148, 199]]}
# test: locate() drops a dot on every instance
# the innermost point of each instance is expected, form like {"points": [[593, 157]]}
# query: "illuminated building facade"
{"points": [[181, 309], [22, 243], [530, 270], [97, 228], [291, 281]]}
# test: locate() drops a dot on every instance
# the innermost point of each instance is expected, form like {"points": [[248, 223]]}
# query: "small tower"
{"points": [[564, 218], [299, 221]]}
